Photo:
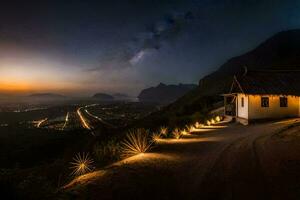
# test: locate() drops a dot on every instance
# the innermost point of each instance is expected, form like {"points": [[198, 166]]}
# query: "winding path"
{"points": [[216, 162]]}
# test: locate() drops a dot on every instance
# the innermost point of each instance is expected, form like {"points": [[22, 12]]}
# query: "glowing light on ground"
{"points": [[208, 123], [82, 119], [192, 129], [156, 137], [82, 163], [198, 125], [191, 140], [218, 119], [176, 133], [184, 132], [136, 142], [164, 131]]}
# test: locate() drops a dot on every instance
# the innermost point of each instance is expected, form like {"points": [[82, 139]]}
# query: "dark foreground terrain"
{"points": [[225, 161]]}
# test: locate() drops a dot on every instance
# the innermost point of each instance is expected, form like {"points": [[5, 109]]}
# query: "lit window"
{"points": [[283, 102], [242, 101], [265, 102]]}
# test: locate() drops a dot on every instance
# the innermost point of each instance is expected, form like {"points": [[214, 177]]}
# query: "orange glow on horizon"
{"points": [[27, 86], [14, 87]]}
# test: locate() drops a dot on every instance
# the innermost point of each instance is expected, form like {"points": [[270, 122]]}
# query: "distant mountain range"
{"points": [[46, 95], [112, 97], [163, 93], [282, 51]]}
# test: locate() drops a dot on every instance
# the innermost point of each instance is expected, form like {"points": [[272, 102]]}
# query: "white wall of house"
{"points": [[242, 110], [256, 111]]}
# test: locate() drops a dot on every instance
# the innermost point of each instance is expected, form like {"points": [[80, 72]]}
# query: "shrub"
{"points": [[136, 142], [176, 133], [107, 151]]}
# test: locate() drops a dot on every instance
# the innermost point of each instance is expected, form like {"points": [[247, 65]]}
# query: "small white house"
{"points": [[262, 95]]}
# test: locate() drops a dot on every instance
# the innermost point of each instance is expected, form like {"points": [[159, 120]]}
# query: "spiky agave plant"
{"points": [[208, 123], [176, 133], [190, 128], [197, 125], [156, 137], [82, 163], [163, 131], [136, 142], [218, 119], [185, 131]]}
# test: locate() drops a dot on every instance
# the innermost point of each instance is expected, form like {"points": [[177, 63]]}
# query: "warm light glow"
{"points": [[66, 121], [208, 123], [40, 122], [14, 86], [212, 121], [198, 125], [156, 137], [82, 164], [136, 142], [176, 133], [218, 119], [164, 131], [31, 73], [184, 132], [82, 119]]}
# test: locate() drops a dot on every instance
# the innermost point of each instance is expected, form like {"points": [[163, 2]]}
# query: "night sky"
{"points": [[82, 47]]}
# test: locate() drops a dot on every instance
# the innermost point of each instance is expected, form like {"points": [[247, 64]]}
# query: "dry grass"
{"points": [[136, 142], [163, 131], [176, 133], [218, 118], [156, 137], [82, 163], [198, 125], [208, 123]]}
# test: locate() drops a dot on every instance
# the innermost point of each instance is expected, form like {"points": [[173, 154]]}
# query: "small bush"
{"points": [[136, 142], [163, 131], [106, 152], [176, 133], [156, 137]]}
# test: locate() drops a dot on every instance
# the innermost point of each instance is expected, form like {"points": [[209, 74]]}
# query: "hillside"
{"points": [[282, 51], [163, 93]]}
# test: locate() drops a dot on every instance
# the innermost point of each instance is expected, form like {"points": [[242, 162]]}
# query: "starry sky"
{"points": [[82, 47]]}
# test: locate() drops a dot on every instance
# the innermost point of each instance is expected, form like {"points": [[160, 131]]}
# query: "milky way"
{"points": [[123, 46]]}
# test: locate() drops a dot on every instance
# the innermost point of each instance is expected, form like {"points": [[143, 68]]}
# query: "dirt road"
{"points": [[225, 161]]}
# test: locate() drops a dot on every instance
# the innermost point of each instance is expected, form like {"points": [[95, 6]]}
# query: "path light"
{"points": [[191, 128], [82, 163], [197, 125], [184, 132], [136, 142], [163, 131], [156, 137], [176, 133], [208, 123]]}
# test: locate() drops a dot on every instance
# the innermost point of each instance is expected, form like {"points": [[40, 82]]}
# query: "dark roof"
{"points": [[279, 82]]}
